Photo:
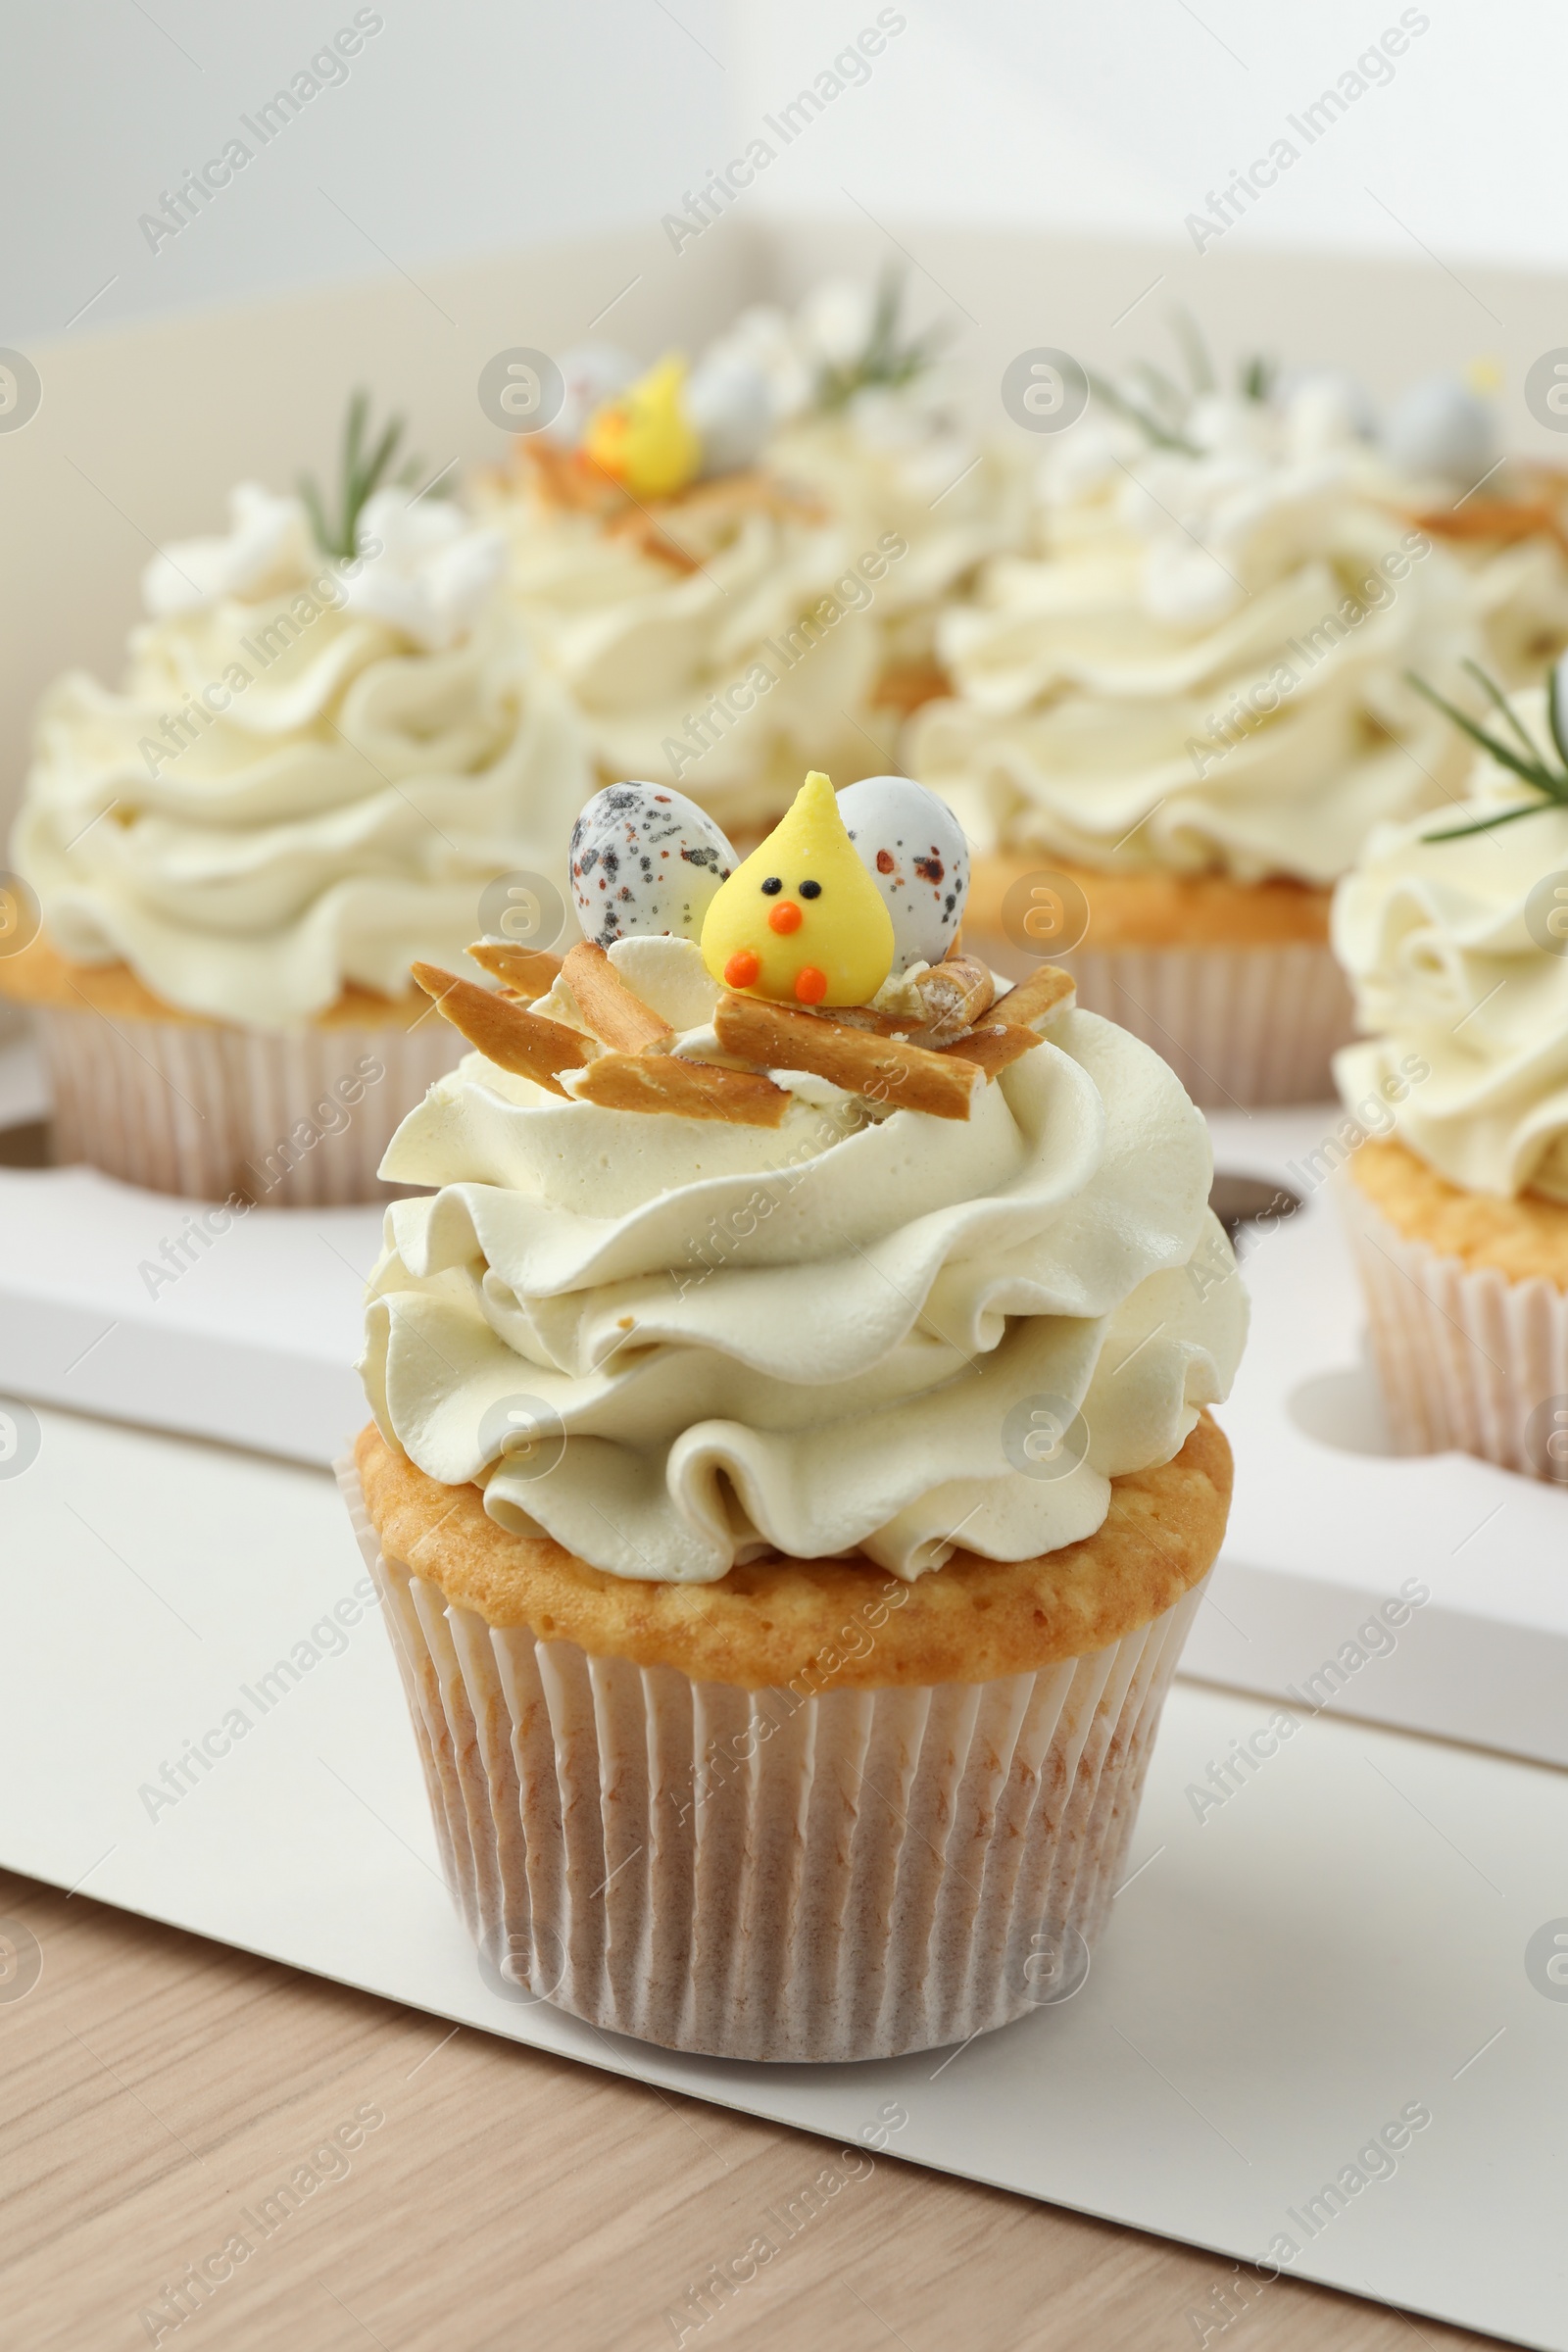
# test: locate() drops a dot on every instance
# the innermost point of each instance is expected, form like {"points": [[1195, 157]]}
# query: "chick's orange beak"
{"points": [[785, 916]]}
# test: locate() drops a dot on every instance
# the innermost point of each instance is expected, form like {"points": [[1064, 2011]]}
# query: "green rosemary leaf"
{"points": [[1487, 824], [1533, 771], [885, 359], [311, 498], [1156, 433], [1554, 718], [1500, 703], [1193, 350], [362, 472], [1256, 376]]}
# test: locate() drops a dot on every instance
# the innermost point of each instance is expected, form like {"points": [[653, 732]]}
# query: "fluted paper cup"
{"points": [[1251, 1025], [1467, 1360], [753, 1874], [210, 1110]]}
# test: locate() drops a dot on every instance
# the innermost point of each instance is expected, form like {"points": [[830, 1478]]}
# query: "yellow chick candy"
{"points": [[644, 438], [800, 921]]}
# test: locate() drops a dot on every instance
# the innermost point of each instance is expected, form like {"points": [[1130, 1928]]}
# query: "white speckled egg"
{"points": [[1441, 427], [912, 847], [645, 860], [728, 401]]}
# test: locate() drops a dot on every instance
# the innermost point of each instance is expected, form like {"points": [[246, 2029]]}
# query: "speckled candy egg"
{"points": [[645, 860], [912, 847], [1441, 427]]}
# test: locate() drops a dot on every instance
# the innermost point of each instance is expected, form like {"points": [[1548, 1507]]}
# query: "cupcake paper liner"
{"points": [[1467, 1360], [1238, 1025], [208, 1110], [762, 1874]]}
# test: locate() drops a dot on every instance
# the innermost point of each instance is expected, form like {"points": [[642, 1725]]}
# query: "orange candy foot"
{"points": [[810, 985], [743, 967]]}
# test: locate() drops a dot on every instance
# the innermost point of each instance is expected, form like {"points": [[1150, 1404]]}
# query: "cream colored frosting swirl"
{"points": [[893, 458], [698, 666], [809, 1339], [1451, 946], [311, 771], [1203, 667]]}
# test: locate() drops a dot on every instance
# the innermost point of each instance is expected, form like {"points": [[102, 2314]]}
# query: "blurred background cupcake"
{"points": [[1175, 722], [736, 567], [1454, 935], [329, 740], [873, 417], [1503, 518]]}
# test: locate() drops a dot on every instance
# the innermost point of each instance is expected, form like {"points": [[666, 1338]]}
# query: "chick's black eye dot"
{"points": [[771, 887], [811, 890]]}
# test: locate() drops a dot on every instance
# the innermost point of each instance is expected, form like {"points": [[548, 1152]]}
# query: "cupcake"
{"points": [[791, 1479], [870, 415], [1505, 519], [329, 742], [735, 566], [1454, 935], [1174, 725]]}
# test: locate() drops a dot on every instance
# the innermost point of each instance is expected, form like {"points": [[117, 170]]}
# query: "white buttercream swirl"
{"points": [[804, 1340], [643, 644], [1204, 668], [893, 458], [357, 751], [1450, 950]]}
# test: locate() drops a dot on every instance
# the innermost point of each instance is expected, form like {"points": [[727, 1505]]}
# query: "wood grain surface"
{"points": [[166, 2097]]}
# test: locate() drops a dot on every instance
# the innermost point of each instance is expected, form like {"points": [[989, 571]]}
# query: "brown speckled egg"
{"points": [[912, 847]]}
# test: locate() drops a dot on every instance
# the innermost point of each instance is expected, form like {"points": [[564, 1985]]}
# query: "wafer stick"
{"points": [[694, 1090], [530, 971], [994, 1045], [525, 1043], [906, 1076], [612, 1010], [1028, 1004]]}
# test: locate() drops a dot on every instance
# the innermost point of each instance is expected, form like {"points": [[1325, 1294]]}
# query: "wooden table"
{"points": [[161, 2095]]}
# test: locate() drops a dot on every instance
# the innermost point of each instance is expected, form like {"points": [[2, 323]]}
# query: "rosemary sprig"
{"points": [[886, 358], [1158, 434], [363, 472], [1159, 406], [1257, 377], [1551, 783]]}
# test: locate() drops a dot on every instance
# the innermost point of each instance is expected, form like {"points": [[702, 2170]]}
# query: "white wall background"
{"points": [[472, 126], [1119, 118], [463, 128]]}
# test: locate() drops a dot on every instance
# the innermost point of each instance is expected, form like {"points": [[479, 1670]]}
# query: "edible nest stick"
{"points": [[525, 1043], [693, 1090], [1033, 999], [614, 1014], [994, 1046], [956, 992], [530, 971], [905, 1077]]}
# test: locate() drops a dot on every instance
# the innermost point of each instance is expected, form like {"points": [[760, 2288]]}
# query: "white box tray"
{"points": [[1357, 1930]]}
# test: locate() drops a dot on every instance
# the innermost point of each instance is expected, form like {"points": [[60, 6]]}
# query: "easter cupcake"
{"points": [[870, 415], [1503, 518], [1176, 722], [704, 615], [1454, 935], [329, 742], [791, 1480], [738, 566]]}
